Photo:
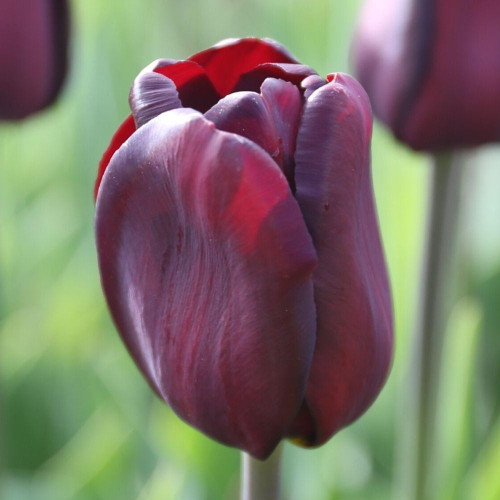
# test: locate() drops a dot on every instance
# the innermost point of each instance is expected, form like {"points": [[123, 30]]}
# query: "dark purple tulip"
{"points": [[33, 55], [432, 69], [239, 249]]}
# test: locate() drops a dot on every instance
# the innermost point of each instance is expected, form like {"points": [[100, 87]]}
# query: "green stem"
{"points": [[261, 480], [433, 309]]}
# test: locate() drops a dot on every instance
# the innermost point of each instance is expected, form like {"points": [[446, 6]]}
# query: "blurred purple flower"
{"points": [[239, 249], [432, 69], [33, 55]]}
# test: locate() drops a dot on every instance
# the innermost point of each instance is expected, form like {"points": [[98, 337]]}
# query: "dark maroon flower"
{"points": [[239, 249], [432, 69], [33, 55]]}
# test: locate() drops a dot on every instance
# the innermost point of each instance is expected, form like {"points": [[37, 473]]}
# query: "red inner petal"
{"points": [[193, 84], [227, 61]]}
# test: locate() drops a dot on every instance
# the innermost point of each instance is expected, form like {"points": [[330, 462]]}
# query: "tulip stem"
{"points": [[433, 308], [260, 480]]}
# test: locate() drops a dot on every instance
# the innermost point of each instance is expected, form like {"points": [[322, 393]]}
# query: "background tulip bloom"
{"points": [[239, 248], [432, 69], [33, 54]]}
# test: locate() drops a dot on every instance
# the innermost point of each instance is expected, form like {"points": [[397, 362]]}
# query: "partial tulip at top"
{"points": [[432, 69], [239, 248]]}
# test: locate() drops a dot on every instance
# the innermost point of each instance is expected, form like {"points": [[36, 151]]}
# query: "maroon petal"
{"points": [[152, 94], [33, 55], [253, 79], [125, 130], [334, 189], [270, 119], [206, 264], [193, 84], [229, 59]]}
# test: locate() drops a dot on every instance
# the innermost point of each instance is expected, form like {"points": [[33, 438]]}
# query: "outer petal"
{"points": [[206, 264], [270, 119], [253, 79], [229, 59], [33, 55], [354, 335]]}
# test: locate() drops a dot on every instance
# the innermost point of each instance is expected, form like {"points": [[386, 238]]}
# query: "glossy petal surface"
{"points": [[33, 55], [229, 59], [269, 119], [206, 264], [354, 319]]}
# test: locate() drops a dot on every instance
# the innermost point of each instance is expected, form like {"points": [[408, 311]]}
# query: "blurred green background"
{"points": [[77, 421]]}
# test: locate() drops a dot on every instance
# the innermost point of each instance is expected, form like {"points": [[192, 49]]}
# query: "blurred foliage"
{"points": [[77, 421]]}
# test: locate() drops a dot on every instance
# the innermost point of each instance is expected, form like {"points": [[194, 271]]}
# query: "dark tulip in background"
{"points": [[432, 69], [239, 249], [33, 55]]}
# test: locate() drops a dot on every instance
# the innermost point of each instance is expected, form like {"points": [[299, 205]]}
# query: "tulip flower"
{"points": [[432, 70], [239, 247], [33, 47]]}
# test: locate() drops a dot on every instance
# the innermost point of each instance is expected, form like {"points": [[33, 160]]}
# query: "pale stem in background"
{"points": [[432, 314], [261, 480]]}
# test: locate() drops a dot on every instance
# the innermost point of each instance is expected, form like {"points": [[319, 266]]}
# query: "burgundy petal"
{"points": [[192, 82], [334, 190], [125, 130], [253, 79], [33, 55], [152, 94], [270, 119], [206, 264], [229, 59]]}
